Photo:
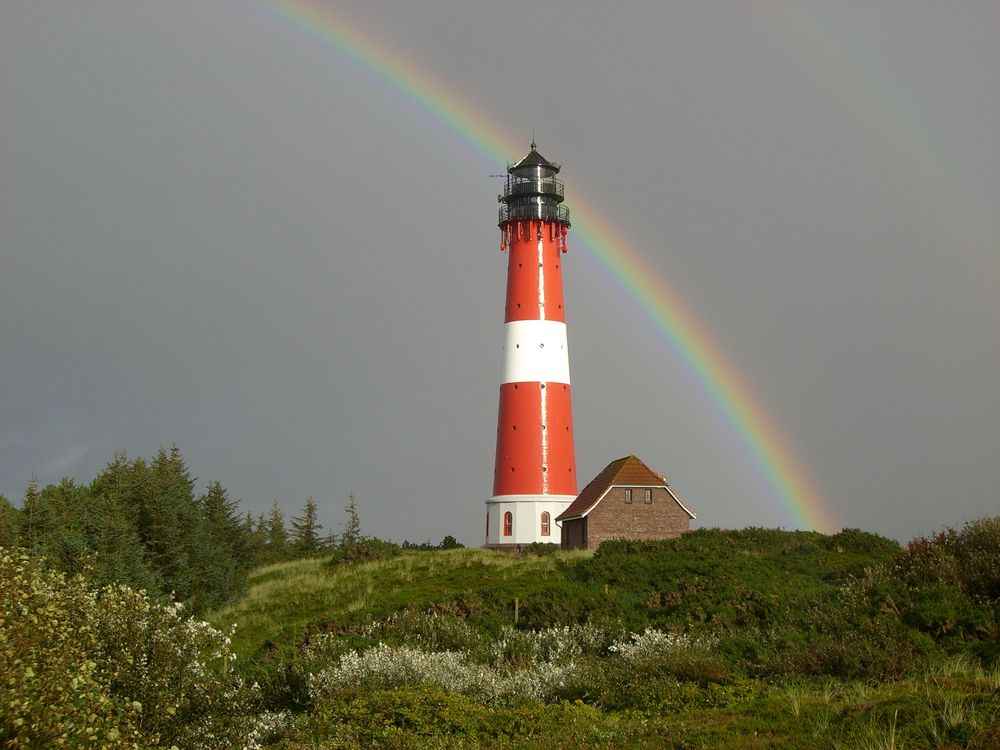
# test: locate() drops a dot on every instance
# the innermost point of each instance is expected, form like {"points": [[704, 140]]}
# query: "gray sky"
{"points": [[218, 231]]}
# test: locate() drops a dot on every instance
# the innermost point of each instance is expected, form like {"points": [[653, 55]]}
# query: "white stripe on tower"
{"points": [[535, 351]]}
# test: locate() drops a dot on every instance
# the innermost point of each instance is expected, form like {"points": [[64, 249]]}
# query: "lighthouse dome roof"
{"points": [[533, 162]]}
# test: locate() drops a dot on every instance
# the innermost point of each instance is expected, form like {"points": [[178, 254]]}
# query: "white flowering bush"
{"points": [[655, 645], [113, 668], [265, 728], [387, 667], [549, 645], [174, 665], [602, 664]]}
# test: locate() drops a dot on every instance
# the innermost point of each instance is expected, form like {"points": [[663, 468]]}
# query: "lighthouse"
{"points": [[534, 477]]}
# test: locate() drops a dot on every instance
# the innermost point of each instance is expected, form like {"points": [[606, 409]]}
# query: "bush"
{"points": [[540, 549], [387, 667], [856, 540], [977, 549], [54, 692], [90, 668], [428, 717], [366, 550], [426, 628]]}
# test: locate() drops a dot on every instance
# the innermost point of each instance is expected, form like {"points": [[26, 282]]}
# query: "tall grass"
{"points": [[285, 598]]}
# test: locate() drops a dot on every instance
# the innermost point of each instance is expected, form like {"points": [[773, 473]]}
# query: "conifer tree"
{"points": [[352, 526], [172, 527], [255, 531], [276, 537], [64, 508], [31, 529], [227, 556], [9, 523], [305, 535], [116, 498]]}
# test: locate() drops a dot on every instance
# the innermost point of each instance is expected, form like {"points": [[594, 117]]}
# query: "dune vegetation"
{"points": [[719, 639], [752, 638]]}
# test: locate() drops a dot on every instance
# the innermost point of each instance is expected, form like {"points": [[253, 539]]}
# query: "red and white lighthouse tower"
{"points": [[534, 478]]}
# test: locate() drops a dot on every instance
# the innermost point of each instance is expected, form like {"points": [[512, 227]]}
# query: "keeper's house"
{"points": [[627, 500]]}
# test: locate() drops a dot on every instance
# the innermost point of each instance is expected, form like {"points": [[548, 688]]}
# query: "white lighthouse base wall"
{"points": [[526, 516]]}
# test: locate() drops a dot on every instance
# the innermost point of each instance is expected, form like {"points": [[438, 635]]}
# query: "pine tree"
{"points": [[116, 495], [32, 526], [64, 542], [305, 535], [9, 523], [172, 527], [227, 557], [228, 528], [255, 530], [352, 526], [276, 537]]}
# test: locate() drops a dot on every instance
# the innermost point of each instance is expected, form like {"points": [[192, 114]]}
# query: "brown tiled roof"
{"points": [[624, 471]]}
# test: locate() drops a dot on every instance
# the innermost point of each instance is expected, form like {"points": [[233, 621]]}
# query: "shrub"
{"points": [[540, 549], [977, 549], [53, 692], [85, 668], [365, 550], [426, 628], [856, 540], [385, 667], [174, 665], [428, 717]]}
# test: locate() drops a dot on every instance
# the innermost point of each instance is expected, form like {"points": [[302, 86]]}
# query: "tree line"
{"points": [[141, 523]]}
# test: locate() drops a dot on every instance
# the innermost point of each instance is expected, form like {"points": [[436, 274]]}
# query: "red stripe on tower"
{"points": [[535, 471]]}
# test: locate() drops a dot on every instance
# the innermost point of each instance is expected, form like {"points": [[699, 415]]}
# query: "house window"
{"points": [[487, 524], [508, 523], [628, 494], [546, 524], [649, 496]]}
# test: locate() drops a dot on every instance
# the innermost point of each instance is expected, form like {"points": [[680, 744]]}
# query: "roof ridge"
{"points": [[626, 470]]}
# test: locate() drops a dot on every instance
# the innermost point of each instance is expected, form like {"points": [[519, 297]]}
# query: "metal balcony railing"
{"points": [[518, 186], [537, 211]]}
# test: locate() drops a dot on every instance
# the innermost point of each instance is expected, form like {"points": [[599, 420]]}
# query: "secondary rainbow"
{"points": [[796, 495]]}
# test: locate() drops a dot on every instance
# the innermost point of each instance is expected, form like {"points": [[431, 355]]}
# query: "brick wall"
{"points": [[613, 518]]}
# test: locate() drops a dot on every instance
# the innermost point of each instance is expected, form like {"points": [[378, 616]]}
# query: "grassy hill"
{"points": [[734, 577], [753, 638]]}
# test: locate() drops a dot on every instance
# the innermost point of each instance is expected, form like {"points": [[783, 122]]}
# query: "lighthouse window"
{"points": [[546, 524], [649, 496], [628, 495], [508, 523]]}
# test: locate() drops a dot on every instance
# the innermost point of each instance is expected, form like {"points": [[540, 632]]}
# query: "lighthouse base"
{"points": [[527, 523]]}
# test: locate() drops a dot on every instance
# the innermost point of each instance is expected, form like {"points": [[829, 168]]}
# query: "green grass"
{"points": [[708, 578], [808, 650], [287, 599]]}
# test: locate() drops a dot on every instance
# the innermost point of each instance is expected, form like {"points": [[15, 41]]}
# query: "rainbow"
{"points": [[795, 494]]}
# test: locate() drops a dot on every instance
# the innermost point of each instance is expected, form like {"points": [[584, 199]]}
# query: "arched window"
{"points": [[546, 524], [508, 523]]}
